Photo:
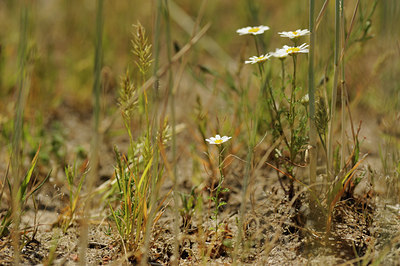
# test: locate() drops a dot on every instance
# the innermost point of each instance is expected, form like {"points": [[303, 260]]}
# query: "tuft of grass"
{"points": [[140, 172], [75, 182], [26, 189]]}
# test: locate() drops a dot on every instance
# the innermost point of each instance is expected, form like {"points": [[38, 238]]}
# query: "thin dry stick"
{"points": [[266, 155], [353, 19], [321, 13], [345, 184], [207, 43]]}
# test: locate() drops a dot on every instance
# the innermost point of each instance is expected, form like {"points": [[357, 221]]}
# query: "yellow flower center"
{"points": [[294, 32], [218, 141], [292, 50], [254, 29]]}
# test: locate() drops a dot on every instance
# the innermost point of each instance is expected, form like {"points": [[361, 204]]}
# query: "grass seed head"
{"points": [[142, 49]]}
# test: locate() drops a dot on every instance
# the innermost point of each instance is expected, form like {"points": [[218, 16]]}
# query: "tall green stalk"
{"points": [[156, 169], [156, 45], [94, 149], [173, 125], [23, 91], [311, 95], [342, 88], [334, 90], [252, 130], [249, 160]]}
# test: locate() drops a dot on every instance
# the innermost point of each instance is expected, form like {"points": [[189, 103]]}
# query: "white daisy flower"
{"points": [[253, 30], [217, 139], [258, 59], [294, 34], [279, 53], [296, 49]]}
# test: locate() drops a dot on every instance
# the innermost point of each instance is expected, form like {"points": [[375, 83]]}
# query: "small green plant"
{"points": [[287, 107], [135, 189], [218, 203], [216, 191], [188, 208], [139, 173], [27, 189], [131, 217], [75, 181]]}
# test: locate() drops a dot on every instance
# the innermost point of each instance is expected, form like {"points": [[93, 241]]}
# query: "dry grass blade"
{"points": [[186, 23], [321, 14], [344, 183], [350, 30]]}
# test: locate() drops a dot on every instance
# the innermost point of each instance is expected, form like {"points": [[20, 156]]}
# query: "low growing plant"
{"points": [[27, 189], [75, 181]]}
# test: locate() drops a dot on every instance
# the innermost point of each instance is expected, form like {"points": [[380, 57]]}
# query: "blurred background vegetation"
{"points": [[62, 35]]}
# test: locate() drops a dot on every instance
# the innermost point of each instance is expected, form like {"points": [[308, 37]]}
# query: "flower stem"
{"points": [[260, 66], [292, 109], [283, 74]]}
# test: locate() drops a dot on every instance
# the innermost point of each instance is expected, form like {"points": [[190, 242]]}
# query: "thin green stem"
{"points": [[342, 88], [248, 168], [173, 125], [249, 164], [292, 113], [260, 65], [311, 95], [219, 187], [256, 43], [157, 46], [283, 74], [278, 117], [23, 91], [96, 132], [334, 91]]}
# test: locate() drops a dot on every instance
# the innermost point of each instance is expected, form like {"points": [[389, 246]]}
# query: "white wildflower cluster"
{"points": [[280, 53]]}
